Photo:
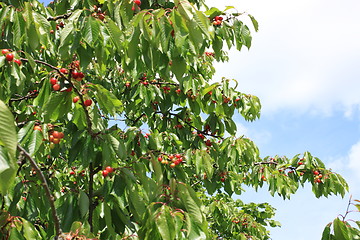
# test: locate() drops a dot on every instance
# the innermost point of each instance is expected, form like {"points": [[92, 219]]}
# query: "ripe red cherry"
{"points": [[137, 2], [56, 87], [109, 169], [69, 89], [87, 102], [18, 61], [63, 70], [75, 74], [160, 159], [38, 128], [56, 140], [105, 173], [56, 134], [61, 135], [300, 163], [9, 57], [72, 173], [76, 99], [5, 51], [53, 81], [316, 172], [81, 75]]}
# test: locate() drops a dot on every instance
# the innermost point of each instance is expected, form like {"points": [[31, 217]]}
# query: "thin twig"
{"points": [[64, 16], [47, 190]]}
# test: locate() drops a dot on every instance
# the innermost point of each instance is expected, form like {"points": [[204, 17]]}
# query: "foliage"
{"points": [[343, 228], [120, 133]]}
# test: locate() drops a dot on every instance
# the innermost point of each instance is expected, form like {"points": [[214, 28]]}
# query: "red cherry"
{"points": [[137, 2], [53, 81], [222, 179], [300, 163], [56, 87], [18, 61], [316, 172], [75, 99], [133, 8], [61, 135], [87, 102], [105, 173], [72, 173], [56, 134], [9, 57], [75, 74], [109, 169], [81, 75], [56, 140], [63, 70], [160, 159], [177, 155], [69, 89], [38, 128], [5, 51]]}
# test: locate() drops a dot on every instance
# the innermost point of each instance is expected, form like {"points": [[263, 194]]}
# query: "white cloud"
{"points": [[354, 159], [304, 58]]}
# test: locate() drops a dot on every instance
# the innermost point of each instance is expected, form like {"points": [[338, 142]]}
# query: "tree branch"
{"points": [[64, 16], [47, 190]]}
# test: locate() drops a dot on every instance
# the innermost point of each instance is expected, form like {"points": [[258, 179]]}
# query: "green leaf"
{"points": [[83, 203], [340, 230], [254, 22], [165, 223], [7, 170], [326, 233], [178, 67], [36, 139], [115, 33], [8, 136], [30, 231], [91, 31], [107, 101]]}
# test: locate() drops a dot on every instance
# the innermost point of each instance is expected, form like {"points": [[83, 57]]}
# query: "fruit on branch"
{"points": [[105, 173], [56, 87], [5, 51], [63, 70], [316, 172], [53, 81], [87, 102], [137, 2], [9, 57], [38, 128], [76, 99], [18, 61], [109, 169]]}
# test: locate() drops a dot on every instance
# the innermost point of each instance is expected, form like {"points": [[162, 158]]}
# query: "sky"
{"points": [[304, 65]]}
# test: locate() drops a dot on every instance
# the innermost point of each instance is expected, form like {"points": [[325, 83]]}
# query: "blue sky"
{"points": [[305, 67]]}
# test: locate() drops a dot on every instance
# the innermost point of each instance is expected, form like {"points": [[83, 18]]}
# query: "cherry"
{"points": [[171, 157], [72, 173], [38, 128], [75, 74], [63, 70], [56, 87], [61, 135], [160, 159], [263, 178], [222, 179], [172, 165], [300, 163], [69, 89], [5, 51], [56, 140], [208, 143], [53, 81], [137, 2], [76, 99], [9, 57], [177, 155], [51, 138], [105, 173], [127, 84], [56, 134], [18, 61], [80, 75], [87, 102], [109, 169], [178, 91], [316, 172]]}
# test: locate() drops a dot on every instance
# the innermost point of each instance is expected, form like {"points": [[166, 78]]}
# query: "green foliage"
{"points": [[342, 228], [150, 147]]}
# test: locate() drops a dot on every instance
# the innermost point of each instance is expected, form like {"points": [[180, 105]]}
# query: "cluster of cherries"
{"points": [[10, 56], [108, 170], [175, 159], [217, 21]]}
